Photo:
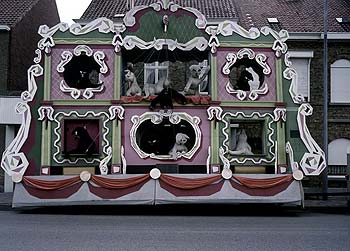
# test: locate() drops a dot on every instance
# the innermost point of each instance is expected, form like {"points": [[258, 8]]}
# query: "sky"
{"points": [[71, 9]]}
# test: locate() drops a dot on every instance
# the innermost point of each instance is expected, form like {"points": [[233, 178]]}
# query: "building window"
{"points": [[247, 138], [337, 156], [301, 63], [155, 71], [340, 87]]}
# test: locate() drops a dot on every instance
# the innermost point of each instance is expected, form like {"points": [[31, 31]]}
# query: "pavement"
{"points": [[331, 202]]}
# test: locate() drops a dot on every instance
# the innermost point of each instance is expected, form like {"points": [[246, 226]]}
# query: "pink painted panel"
{"points": [[199, 158], [270, 79], [56, 78]]}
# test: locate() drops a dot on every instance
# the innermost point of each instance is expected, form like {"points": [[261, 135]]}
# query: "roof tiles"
{"points": [[12, 11], [294, 15]]}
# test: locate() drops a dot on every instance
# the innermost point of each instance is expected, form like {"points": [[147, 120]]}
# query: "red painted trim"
{"points": [[203, 191]]}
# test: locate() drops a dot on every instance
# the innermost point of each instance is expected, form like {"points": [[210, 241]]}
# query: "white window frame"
{"points": [[338, 64], [156, 66], [307, 55]]}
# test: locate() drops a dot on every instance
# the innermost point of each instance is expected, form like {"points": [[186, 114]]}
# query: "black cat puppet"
{"points": [[165, 98], [86, 144]]}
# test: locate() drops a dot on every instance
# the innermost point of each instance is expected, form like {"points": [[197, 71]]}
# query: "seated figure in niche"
{"points": [[86, 145], [248, 80], [179, 146], [82, 72], [197, 77], [153, 89], [242, 146], [131, 81]]}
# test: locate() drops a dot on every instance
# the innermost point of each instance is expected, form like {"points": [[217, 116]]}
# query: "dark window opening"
{"points": [[246, 75], [81, 137], [82, 72], [160, 138], [247, 138]]}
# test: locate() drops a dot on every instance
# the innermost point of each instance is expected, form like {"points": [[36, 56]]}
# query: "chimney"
{"points": [[130, 4]]}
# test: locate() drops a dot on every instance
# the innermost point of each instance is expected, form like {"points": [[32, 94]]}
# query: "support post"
{"points": [[9, 136], [325, 99]]}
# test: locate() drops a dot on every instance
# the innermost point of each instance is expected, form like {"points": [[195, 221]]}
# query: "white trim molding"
{"points": [[313, 162], [268, 118], [157, 118], [67, 56], [231, 59]]}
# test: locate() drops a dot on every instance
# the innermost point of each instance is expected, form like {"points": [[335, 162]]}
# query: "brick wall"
{"points": [[24, 38], [339, 115], [4, 51]]}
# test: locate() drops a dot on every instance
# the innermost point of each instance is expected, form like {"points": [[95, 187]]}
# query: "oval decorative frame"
{"points": [[67, 57], [157, 118], [260, 58]]}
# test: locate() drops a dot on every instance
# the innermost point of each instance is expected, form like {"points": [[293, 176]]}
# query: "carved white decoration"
{"points": [[227, 119], [231, 59], [228, 28], [280, 114], [47, 42], [66, 56], [104, 162], [279, 45], [208, 160], [291, 74], [89, 92], [38, 57], [224, 160], [103, 25], [116, 111], [122, 156], [313, 162], [130, 20], [130, 42], [33, 72], [73, 92], [289, 151], [45, 112], [117, 42], [214, 111], [157, 118], [254, 94], [213, 40], [59, 116], [287, 60], [13, 161]]}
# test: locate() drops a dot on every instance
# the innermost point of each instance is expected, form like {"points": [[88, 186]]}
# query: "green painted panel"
{"points": [[181, 27]]}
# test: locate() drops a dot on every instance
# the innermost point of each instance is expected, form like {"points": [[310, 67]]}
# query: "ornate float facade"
{"points": [[161, 108]]}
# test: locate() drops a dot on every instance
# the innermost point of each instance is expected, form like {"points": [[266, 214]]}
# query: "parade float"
{"points": [[161, 107]]}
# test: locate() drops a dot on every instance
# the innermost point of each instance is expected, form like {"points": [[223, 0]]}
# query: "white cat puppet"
{"points": [[242, 146], [179, 145], [197, 77], [133, 87], [154, 89], [255, 83]]}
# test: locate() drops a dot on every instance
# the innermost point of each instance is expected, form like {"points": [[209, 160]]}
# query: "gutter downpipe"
{"points": [[325, 99]]}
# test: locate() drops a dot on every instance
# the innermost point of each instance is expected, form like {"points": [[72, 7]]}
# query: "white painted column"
{"points": [[9, 136]]}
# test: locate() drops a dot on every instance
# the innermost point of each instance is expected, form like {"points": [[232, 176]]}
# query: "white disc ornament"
{"points": [[17, 177], [298, 175], [85, 176], [155, 173], [226, 174]]}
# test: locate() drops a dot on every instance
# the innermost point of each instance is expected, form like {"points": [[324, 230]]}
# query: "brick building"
{"points": [[19, 22]]}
